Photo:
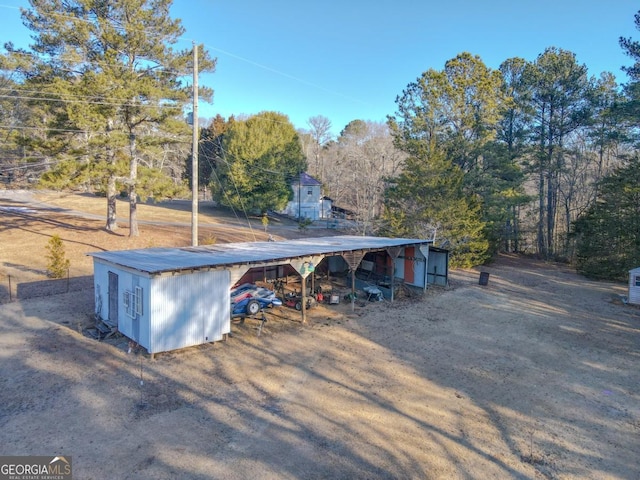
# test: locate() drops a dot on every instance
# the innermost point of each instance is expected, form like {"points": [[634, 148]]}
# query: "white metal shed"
{"points": [[170, 298], [634, 286], [163, 312]]}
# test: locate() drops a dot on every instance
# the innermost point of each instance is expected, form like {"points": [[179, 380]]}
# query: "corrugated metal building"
{"points": [[634, 286], [170, 298]]}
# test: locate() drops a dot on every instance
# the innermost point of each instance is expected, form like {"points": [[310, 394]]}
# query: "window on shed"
{"points": [[138, 296], [637, 281], [126, 299], [133, 302]]}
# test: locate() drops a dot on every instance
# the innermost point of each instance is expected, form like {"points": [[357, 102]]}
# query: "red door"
{"points": [[409, 253]]}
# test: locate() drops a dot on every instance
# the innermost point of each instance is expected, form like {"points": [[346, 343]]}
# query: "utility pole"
{"points": [[194, 153]]}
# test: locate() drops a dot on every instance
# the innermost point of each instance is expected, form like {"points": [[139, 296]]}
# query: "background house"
{"points": [[308, 201]]}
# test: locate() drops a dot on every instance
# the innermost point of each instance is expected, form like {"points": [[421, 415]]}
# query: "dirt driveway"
{"points": [[533, 376]]}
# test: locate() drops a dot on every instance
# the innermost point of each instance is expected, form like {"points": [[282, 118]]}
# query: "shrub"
{"points": [[58, 264]]}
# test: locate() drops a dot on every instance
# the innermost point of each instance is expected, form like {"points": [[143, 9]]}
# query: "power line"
{"points": [[93, 102], [287, 75], [250, 62], [32, 55], [213, 171], [49, 129]]}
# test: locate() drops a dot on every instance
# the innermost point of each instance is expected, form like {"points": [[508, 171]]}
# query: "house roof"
{"points": [[306, 179], [159, 260]]}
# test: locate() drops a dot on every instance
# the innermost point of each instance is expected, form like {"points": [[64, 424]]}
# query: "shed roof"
{"points": [[159, 260]]}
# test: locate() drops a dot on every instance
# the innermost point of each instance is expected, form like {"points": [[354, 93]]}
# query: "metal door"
{"points": [[113, 299]]}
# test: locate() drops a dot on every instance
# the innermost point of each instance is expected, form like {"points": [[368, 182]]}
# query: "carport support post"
{"points": [[393, 283], [353, 290], [304, 298], [305, 266], [353, 259], [394, 253], [424, 249]]}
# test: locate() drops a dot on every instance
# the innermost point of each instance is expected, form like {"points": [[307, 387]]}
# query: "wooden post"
{"points": [[393, 283], [313, 282], [353, 290], [304, 299]]}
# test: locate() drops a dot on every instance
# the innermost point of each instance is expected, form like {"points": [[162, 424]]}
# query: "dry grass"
{"points": [[534, 375], [28, 220]]}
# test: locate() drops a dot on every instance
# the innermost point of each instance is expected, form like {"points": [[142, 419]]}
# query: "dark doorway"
{"points": [[113, 299]]}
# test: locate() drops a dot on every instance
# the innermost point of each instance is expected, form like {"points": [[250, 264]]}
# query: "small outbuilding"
{"points": [[170, 298], [634, 286]]}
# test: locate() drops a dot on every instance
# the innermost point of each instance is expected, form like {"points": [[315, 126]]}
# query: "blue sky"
{"points": [[349, 59]]}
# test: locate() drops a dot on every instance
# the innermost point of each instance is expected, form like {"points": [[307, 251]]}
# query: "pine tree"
{"points": [[262, 156], [428, 201], [58, 263], [114, 86], [608, 235]]}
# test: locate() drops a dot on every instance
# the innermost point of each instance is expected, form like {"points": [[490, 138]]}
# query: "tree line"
{"points": [[534, 156]]}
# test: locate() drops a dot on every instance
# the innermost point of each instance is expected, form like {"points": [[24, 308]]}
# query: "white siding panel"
{"points": [[189, 309], [634, 290], [101, 288], [419, 266], [136, 327], [398, 266], [218, 321], [125, 322], [437, 272]]}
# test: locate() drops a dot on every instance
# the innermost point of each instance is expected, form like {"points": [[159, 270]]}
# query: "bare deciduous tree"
{"points": [[357, 165]]}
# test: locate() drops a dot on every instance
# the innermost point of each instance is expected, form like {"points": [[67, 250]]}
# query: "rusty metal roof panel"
{"points": [[159, 260]]}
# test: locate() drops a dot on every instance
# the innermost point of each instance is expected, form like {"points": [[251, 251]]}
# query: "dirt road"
{"points": [[533, 376]]}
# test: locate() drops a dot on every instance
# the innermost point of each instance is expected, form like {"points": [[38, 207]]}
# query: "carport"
{"points": [[152, 282]]}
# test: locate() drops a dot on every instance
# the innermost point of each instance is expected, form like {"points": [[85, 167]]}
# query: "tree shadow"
{"points": [[383, 396], [537, 365]]}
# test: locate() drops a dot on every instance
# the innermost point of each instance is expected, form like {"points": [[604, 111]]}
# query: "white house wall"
{"points": [[189, 309], [305, 205], [312, 211]]}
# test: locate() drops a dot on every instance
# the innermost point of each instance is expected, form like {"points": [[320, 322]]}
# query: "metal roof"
{"points": [[307, 180], [159, 260]]}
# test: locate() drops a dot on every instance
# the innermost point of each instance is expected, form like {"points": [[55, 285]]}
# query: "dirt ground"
{"points": [[534, 375]]}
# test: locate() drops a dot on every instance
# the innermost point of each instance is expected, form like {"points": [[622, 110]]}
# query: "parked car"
{"points": [[249, 299]]}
